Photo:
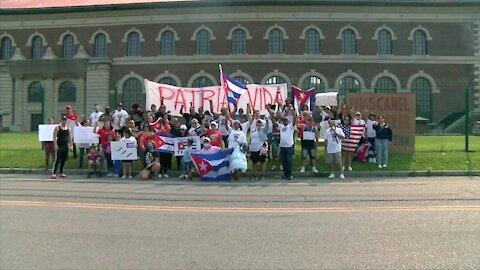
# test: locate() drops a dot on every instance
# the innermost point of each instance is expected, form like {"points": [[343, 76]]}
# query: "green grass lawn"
{"points": [[22, 150]]}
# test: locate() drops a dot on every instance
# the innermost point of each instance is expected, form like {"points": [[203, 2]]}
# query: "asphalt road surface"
{"points": [[376, 223]]}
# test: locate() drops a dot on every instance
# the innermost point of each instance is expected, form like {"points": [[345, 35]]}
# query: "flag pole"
{"points": [[222, 85]]}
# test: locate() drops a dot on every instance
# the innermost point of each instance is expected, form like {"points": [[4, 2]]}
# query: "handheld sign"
{"points": [[85, 135], [123, 150], [181, 142], [45, 133]]}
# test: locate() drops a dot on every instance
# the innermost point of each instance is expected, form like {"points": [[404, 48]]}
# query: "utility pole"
{"points": [[467, 111]]}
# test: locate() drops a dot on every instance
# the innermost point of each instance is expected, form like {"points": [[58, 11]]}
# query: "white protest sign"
{"points": [[123, 150], [181, 142], [258, 96], [45, 133], [326, 99], [85, 135]]}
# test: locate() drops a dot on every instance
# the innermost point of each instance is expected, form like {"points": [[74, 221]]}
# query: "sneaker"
{"points": [[63, 175], [384, 166], [370, 160], [159, 176], [54, 176], [253, 178], [314, 170], [182, 176], [165, 176], [302, 170], [342, 176], [349, 168], [123, 177], [274, 167], [130, 177], [109, 175], [374, 160], [379, 166], [331, 176], [343, 168], [281, 168], [262, 178]]}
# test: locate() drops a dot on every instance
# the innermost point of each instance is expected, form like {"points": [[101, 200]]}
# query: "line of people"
{"points": [[260, 138]]}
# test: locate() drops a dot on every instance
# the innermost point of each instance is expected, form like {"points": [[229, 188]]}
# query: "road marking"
{"points": [[242, 209]]}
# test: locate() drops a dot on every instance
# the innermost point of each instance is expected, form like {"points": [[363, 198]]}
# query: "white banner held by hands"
{"points": [[326, 99], [45, 133], [85, 135], [122, 150]]}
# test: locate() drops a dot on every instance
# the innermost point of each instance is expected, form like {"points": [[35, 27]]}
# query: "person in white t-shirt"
{"points": [[119, 118], [371, 133], [238, 141], [333, 144], [258, 137], [95, 116], [287, 130]]}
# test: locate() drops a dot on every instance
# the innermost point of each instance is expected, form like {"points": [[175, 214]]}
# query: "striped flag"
{"points": [[353, 134], [213, 167], [233, 88]]}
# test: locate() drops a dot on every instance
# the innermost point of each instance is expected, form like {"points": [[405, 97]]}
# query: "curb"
{"points": [[355, 174]]}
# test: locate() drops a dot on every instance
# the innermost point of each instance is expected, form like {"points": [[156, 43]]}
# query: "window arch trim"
{"points": [[165, 29], [435, 89], [64, 34], [275, 26], [239, 72], [133, 29], [131, 75], [385, 73], [311, 73], [202, 73], [6, 35], [278, 74], [99, 31], [421, 28], [384, 27], [352, 74], [167, 74], [238, 26], [311, 26], [348, 26], [30, 39], [203, 27]]}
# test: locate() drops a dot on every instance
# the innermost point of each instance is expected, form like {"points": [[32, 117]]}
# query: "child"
{"points": [[93, 161], [127, 164], [187, 160]]}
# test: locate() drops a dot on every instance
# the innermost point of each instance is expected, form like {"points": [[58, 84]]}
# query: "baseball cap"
{"points": [[357, 113], [206, 139], [183, 127], [68, 107], [64, 117], [120, 105], [214, 123]]}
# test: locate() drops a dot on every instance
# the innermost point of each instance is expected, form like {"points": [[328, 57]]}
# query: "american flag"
{"points": [[353, 134]]}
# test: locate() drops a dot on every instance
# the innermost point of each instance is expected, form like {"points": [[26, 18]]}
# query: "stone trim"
{"points": [[167, 28], [99, 31], [62, 36], [133, 29], [238, 72], [203, 27], [357, 76], [313, 72], [122, 81], [348, 26], [30, 38], [275, 72], [419, 27], [275, 26], [5, 34], [202, 73], [238, 26], [384, 27], [385, 73], [435, 89], [167, 74], [311, 26]]}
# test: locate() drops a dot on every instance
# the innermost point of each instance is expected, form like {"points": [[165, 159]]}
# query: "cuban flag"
{"points": [[164, 143], [213, 167], [233, 88]]}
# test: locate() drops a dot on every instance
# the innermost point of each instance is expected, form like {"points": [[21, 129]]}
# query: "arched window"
{"points": [[275, 41], [68, 47], [203, 42], [35, 92], [384, 42], [100, 46], [133, 44], [315, 82], [37, 47], [202, 82], [385, 85], [242, 79], [348, 84], [168, 80], [275, 80], [420, 43], [6, 49], [133, 93], [67, 92], [239, 42], [349, 42], [422, 89], [167, 43], [312, 42]]}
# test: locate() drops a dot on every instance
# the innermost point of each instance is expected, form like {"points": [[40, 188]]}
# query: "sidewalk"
{"points": [[278, 174]]}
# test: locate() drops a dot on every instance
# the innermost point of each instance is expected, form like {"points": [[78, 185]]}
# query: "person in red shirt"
{"points": [[93, 161], [145, 138], [104, 132], [72, 122], [215, 135]]}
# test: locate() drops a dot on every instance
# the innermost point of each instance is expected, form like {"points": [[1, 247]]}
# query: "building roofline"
{"points": [[215, 3]]}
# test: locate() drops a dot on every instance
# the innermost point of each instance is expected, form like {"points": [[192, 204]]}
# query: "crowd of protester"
{"points": [[260, 138]]}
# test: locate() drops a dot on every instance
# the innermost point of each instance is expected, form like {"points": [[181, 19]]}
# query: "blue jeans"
{"points": [[381, 149], [286, 154]]}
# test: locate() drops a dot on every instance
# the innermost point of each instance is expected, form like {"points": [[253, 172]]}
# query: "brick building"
{"points": [[54, 56]]}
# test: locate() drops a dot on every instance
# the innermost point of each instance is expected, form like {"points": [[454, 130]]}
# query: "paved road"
{"points": [[419, 223]]}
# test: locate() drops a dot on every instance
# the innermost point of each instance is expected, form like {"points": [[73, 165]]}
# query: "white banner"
{"points": [[326, 99], [258, 96], [324, 125], [45, 133], [181, 142], [85, 135], [122, 150]]}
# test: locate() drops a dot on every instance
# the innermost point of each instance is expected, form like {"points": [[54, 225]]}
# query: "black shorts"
{"points": [[257, 158]]}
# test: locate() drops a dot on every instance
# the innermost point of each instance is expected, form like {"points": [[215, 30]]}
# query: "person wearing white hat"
{"points": [[214, 135]]}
